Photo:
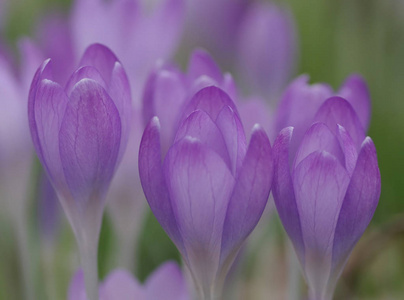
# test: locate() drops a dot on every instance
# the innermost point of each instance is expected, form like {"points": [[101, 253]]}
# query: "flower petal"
{"points": [[153, 182], [121, 285], [90, 136], [359, 205], [167, 283], [201, 63], [349, 149], [282, 189], [319, 137], [200, 185], [337, 110], [101, 58], [320, 183], [356, 91], [77, 290], [89, 72], [200, 126], [249, 196]]}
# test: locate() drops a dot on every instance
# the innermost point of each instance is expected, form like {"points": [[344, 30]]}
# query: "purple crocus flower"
{"points": [[210, 190], [165, 283], [139, 35], [326, 184], [80, 133]]}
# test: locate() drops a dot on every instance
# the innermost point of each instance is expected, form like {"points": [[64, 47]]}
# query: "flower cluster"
{"points": [[124, 123]]}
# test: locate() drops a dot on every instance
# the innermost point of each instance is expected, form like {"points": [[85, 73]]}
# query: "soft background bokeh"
{"points": [[336, 38]]}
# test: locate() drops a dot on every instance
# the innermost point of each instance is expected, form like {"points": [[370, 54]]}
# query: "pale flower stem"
{"points": [[25, 258], [293, 273], [88, 258]]}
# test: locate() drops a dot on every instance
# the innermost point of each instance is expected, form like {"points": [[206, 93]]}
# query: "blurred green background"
{"points": [[336, 38]]}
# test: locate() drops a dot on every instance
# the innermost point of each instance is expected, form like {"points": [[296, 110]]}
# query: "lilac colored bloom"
{"points": [[166, 283], [325, 193], [256, 40], [139, 35], [301, 101], [211, 189], [80, 133], [266, 49]]}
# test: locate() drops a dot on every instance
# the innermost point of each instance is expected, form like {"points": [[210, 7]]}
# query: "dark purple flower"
{"points": [[166, 283], [210, 190], [80, 134], [327, 188]]}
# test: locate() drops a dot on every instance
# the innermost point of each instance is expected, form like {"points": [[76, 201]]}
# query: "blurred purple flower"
{"points": [[80, 134], [325, 193], [256, 40], [166, 283], [210, 191], [139, 35]]}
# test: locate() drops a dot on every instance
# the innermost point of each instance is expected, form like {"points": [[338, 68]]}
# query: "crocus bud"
{"points": [[166, 283], [210, 190], [327, 192], [80, 133]]}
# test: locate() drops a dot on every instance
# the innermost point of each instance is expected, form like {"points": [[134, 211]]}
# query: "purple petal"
{"points": [[266, 48], [89, 72], [234, 137], [31, 58], [320, 184], [77, 290], [282, 189], [121, 285], [337, 110], [167, 283], [359, 205], [46, 108], [200, 126], [90, 136], [319, 137], [211, 100], [249, 196], [101, 58], [201, 63], [168, 101], [349, 149], [200, 185], [153, 182], [298, 107], [356, 91]]}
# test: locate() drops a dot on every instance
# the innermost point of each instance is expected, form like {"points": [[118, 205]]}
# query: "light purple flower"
{"points": [[210, 190], [325, 193], [301, 101], [138, 34], [80, 134], [166, 283]]}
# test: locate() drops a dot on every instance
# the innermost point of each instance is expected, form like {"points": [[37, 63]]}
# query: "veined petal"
{"points": [[249, 196], [356, 91], [153, 182], [233, 134], [317, 138], [46, 109], [167, 283], [121, 285], [337, 110], [88, 72], [101, 58], [211, 100], [200, 126], [359, 205], [320, 184], [200, 185], [90, 136], [282, 189], [349, 149]]}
